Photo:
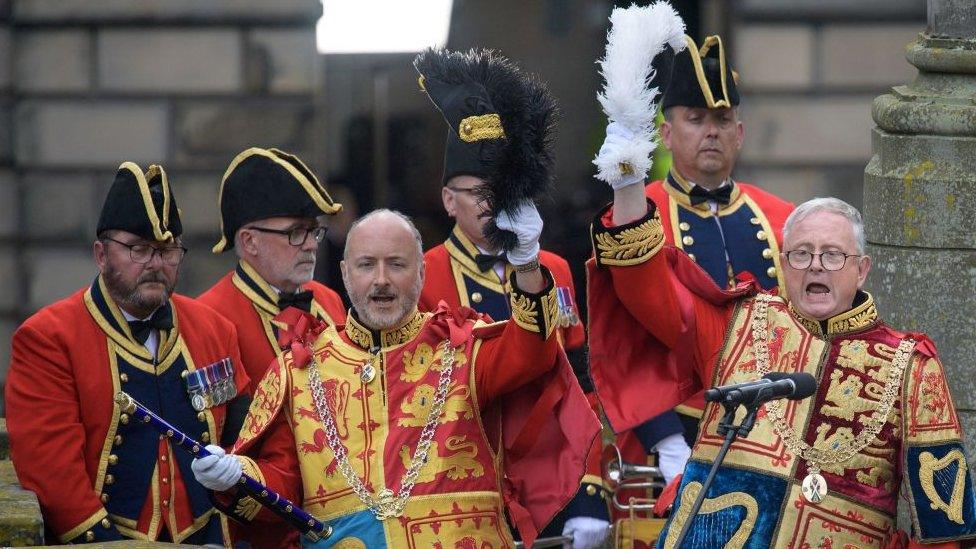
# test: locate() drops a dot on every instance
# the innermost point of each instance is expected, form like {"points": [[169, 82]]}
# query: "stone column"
{"points": [[919, 199]]}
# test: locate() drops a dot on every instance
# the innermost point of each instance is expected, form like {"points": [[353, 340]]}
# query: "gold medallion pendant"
{"points": [[814, 487], [368, 373]]}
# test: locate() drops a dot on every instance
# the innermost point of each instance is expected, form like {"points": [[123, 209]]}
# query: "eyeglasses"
{"points": [[296, 236], [143, 253], [830, 261], [470, 190]]}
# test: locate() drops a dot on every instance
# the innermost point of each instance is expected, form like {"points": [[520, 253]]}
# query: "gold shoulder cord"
{"points": [[814, 486]]}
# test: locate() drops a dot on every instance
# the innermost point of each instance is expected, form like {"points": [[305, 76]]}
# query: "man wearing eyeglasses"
{"points": [[466, 270], [271, 208], [98, 475], [825, 467]]}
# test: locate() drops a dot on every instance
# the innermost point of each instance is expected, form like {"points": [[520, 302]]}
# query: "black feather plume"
{"points": [[518, 166]]}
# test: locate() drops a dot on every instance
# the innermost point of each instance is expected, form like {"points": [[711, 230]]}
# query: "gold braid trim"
{"points": [[477, 128], [537, 313], [628, 245], [525, 312]]}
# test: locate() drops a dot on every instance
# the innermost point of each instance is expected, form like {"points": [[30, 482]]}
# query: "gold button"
{"points": [[104, 498], [162, 457], [113, 459], [165, 503], [603, 494], [109, 479], [165, 480], [684, 226], [591, 490], [767, 253], [123, 378], [755, 221], [687, 240], [184, 373], [771, 272], [124, 419], [466, 128], [205, 437], [89, 536], [118, 440], [202, 416], [476, 297], [761, 235], [106, 523], [692, 256]]}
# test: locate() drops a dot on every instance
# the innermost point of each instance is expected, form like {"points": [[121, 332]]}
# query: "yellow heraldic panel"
{"points": [[446, 522], [763, 450], [359, 412], [834, 522]]}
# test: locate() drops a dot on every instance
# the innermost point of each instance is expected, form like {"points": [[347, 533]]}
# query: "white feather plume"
{"points": [[636, 36]]}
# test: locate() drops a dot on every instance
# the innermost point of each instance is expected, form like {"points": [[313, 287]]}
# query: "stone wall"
{"points": [[809, 71], [87, 84]]}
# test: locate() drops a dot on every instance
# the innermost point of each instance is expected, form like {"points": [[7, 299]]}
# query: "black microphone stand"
{"points": [[728, 428]]}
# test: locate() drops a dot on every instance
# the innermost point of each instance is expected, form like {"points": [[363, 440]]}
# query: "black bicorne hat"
{"points": [[263, 183], [500, 127], [701, 77], [142, 204]]}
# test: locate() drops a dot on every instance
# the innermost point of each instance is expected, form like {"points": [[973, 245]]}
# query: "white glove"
{"points": [[672, 455], [587, 532], [217, 471], [620, 139], [526, 223]]}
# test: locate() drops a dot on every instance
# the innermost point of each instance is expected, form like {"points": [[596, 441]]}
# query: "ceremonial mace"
{"points": [[309, 526]]}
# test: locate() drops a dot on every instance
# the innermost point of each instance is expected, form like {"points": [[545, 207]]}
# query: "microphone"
{"points": [[793, 386]]}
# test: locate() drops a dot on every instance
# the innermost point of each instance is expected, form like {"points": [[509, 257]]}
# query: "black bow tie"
{"points": [[302, 300], [487, 261], [162, 319], [721, 195]]}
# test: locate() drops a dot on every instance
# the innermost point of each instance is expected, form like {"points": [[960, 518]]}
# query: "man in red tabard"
{"points": [[411, 429]]}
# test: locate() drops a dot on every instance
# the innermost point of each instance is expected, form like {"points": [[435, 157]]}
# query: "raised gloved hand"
{"points": [[618, 145], [526, 223], [672, 455], [217, 471], [587, 532]]}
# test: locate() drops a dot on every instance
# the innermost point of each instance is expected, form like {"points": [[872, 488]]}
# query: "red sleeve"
{"points": [[656, 320], [278, 461], [507, 362], [47, 436], [655, 294]]}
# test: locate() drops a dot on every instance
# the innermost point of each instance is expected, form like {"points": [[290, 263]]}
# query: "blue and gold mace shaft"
{"points": [[294, 515]]}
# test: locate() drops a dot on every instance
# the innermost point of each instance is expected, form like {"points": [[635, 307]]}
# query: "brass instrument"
{"points": [[622, 477], [631, 476]]}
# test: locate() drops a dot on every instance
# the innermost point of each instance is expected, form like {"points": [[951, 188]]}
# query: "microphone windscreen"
{"points": [[804, 383]]}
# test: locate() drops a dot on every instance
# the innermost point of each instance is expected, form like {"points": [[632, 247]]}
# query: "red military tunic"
{"points": [[528, 418], [453, 277], [250, 303], [664, 328], [97, 475], [742, 236]]}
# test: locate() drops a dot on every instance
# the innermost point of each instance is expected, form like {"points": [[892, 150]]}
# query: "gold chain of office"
{"points": [[386, 504], [816, 457]]}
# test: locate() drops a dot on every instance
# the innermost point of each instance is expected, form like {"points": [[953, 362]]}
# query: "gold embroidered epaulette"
{"points": [[629, 244]]}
